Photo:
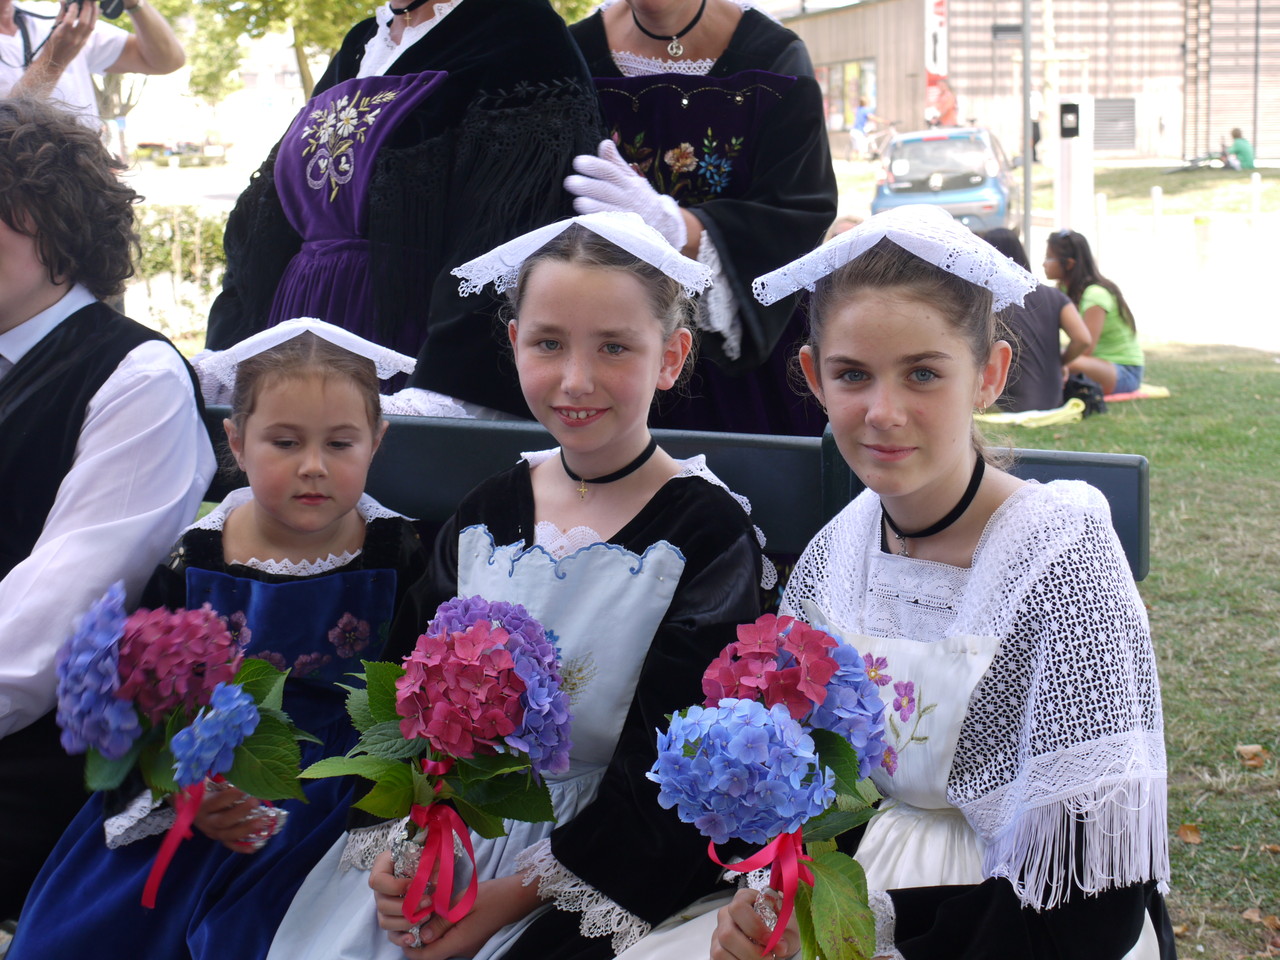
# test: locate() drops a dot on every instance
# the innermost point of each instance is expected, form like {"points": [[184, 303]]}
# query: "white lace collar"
{"points": [[368, 508], [637, 65], [380, 52]]}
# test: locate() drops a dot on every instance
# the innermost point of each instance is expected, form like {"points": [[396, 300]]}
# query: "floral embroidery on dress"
{"points": [[907, 703], [350, 636], [273, 658], [240, 633], [681, 172], [576, 674], [309, 663], [332, 133]]}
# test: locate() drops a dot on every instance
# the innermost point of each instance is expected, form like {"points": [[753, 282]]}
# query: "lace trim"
{"points": [[365, 843], [886, 920], [717, 309], [635, 65], [560, 543], [143, 817], [302, 568], [416, 402], [600, 915], [380, 52], [693, 467]]}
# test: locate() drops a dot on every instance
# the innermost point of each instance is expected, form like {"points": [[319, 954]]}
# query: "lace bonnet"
{"points": [[929, 232], [221, 366], [501, 266]]}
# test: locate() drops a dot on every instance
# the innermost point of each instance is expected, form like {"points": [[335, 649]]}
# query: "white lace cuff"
{"points": [[600, 915], [143, 817], [882, 908], [717, 309], [365, 843]]}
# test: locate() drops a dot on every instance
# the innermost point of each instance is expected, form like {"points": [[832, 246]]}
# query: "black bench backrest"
{"points": [[795, 484]]}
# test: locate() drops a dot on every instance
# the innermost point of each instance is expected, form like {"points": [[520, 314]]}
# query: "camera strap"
{"points": [[28, 52]]}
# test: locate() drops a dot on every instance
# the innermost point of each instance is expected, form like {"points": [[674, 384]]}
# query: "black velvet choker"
{"points": [[626, 471], [675, 47], [971, 491]]}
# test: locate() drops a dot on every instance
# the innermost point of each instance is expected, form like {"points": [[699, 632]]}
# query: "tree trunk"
{"points": [[304, 68]]}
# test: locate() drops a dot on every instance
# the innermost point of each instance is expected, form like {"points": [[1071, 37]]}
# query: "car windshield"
{"points": [[952, 155]]}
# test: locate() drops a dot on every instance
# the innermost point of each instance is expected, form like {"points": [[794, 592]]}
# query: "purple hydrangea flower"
{"points": [[740, 770], [207, 746], [853, 708], [89, 712], [544, 731]]}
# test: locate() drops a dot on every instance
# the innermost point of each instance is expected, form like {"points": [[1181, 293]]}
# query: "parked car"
{"points": [[964, 170]]}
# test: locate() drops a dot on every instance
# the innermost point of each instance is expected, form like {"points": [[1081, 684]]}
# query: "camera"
{"points": [[108, 8]]}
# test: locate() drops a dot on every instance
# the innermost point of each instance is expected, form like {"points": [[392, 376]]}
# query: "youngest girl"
{"points": [[308, 572]]}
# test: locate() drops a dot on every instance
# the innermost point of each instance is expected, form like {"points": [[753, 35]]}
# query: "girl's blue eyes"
{"points": [[612, 349], [919, 375]]}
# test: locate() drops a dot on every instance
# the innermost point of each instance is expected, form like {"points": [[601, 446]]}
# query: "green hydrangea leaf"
{"points": [[843, 924], [392, 795], [385, 740], [263, 682], [836, 752], [486, 767], [266, 764], [833, 821], [510, 798], [483, 823], [103, 774], [371, 768], [156, 766], [358, 706], [380, 681], [804, 920]]}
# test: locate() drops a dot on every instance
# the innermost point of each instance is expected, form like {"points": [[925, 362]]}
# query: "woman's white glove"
{"points": [[608, 183]]}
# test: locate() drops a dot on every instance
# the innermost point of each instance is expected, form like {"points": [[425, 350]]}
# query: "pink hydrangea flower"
{"points": [[460, 691], [774, 660], [171, 659]]}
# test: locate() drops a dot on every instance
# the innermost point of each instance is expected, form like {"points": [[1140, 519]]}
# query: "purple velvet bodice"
{"points": [[323, 169]]}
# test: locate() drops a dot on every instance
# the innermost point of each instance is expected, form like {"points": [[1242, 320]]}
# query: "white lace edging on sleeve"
{"points": [[143, 817], [717, 309], [600, 915], [886, 920]]}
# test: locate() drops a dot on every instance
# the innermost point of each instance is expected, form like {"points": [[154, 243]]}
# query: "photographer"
{"points": [[103, 458], [53, 49]]}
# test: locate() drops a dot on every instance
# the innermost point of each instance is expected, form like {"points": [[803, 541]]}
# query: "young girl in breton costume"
{"points": [[641, 565], [1025, 775], [308, 571]]}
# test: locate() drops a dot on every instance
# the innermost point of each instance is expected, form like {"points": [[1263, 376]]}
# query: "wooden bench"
{"points": [[795, 484]]}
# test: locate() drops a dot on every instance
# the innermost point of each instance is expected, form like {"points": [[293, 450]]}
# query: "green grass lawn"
{"points": [[1214, 600], [1189, 192]]}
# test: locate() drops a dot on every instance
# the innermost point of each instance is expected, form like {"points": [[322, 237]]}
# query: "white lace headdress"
{"points": [[221, 366], [501, 265], [925, 230]]}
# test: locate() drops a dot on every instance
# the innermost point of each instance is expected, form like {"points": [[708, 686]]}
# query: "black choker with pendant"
{"points": [[406, 10], [675, 47], [971, 491], [626, 471]]}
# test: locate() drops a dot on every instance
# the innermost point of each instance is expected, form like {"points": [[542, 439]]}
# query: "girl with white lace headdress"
{"points": [[307, 570], [640, 565], [1025, 776]]}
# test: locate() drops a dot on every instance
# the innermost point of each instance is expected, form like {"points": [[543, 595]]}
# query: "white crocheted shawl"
{"points": [[1061, 755]]}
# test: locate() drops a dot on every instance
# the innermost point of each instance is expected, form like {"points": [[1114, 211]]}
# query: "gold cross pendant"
{"points": [[582, 489]]}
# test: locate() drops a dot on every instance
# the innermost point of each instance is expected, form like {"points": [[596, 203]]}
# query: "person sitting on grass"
{"points": [[1238, 156]]}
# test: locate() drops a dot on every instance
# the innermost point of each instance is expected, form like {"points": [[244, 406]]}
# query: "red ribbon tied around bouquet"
{"points": [[186, 805], [441, 824], [786, 859]]}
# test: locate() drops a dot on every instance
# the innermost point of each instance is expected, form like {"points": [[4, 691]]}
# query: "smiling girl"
{"points": [[1025, 774], [641, 566], [308, 571]]}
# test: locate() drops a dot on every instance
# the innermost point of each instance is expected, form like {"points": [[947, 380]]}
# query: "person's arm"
{"points": [[142, 463], [152, 48], [1079, 338], [1094, 317], [72, 29]]}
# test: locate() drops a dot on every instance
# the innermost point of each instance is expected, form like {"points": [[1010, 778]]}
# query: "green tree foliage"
{"points": [[573, 10]]}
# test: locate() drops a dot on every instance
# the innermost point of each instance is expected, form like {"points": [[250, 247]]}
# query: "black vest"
{"points": [[43, 401]]}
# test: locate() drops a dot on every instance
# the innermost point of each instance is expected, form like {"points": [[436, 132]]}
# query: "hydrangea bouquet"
{"points": [[778, 754], [170, 694], [458, 737]]}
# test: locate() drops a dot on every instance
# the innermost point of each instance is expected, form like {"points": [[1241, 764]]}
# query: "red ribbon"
{"points": [[441, 824], [186, 805], [786, 859]]}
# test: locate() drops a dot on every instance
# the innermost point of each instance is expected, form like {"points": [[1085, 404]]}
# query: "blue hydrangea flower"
{"points": [[852, 708], [544, 732], [740, 770], [207, 746], [89, 712]]}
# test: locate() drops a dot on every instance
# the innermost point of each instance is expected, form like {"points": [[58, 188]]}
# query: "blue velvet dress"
{"points": [[319, 621]]}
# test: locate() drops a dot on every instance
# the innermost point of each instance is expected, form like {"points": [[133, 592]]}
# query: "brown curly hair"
{"points": [[58, 185]]}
